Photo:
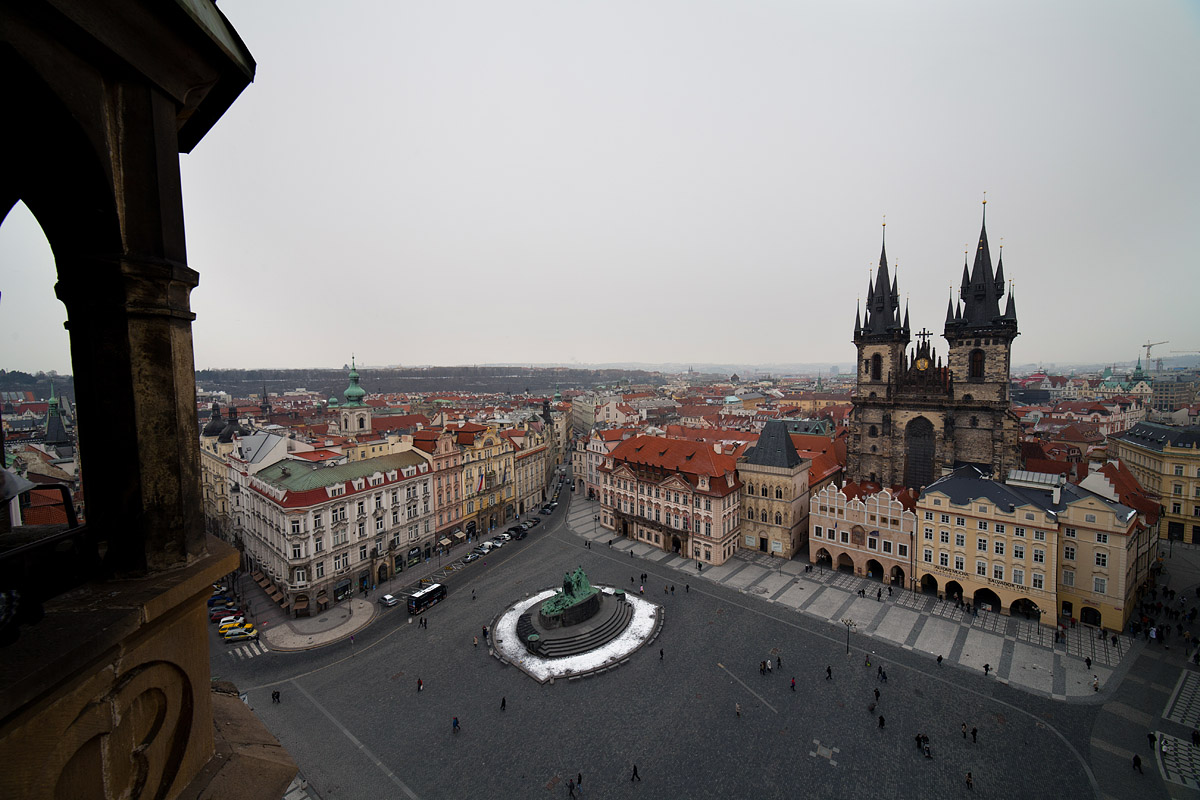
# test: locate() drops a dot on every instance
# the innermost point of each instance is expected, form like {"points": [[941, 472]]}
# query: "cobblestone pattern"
{"points": [[1184, 705], [1179, 761]]}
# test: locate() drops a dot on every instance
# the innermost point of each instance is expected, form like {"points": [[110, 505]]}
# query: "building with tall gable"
{"points": [[918, 415], [775, 493]]}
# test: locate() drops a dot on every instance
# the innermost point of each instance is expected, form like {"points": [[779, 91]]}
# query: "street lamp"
{"points": [[849, 623]]}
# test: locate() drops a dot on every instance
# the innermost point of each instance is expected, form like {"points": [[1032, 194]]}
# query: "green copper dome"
{"points": [[354, 393]]}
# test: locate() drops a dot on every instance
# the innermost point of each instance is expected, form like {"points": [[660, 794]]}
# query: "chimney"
{"points": [[1056, 494]]}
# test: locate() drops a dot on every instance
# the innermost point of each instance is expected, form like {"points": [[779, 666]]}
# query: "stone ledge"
{"points": [[248, 763]]}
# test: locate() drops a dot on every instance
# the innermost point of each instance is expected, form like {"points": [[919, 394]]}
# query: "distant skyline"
{"points": [[687, 182]]}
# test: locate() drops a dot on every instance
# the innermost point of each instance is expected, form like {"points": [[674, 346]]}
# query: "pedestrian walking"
{"points": [[876, 694], [472, 594], [1087, 662], [666, 589], [889, 591], [642, 589], [964, 730], [866, 660], [660, 654], [793, 683], [737, 709], [762, 668], [939, 660], [970, 781], [352, 638], [884, 676], [672, 590], [1153, 739], [475, 641], [420, 684], [1095, 683], [880, 720], [879, 595], [687, 587], [635, 776], [571, 787], [579, 781], [974, 735], [454, 724], [779, 661], [1195, 736], [768, 666], [1137, 763], [828, 672], [879, 672], [503, 703], [987, 669]]}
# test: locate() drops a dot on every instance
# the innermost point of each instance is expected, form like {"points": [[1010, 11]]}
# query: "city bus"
{"points": [[430, 595]]}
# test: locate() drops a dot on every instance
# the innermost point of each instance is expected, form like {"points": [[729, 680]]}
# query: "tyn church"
{"points": [[916, 416]]}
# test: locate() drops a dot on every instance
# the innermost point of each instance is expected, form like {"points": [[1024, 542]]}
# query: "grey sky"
{"points": [[471, 182]]}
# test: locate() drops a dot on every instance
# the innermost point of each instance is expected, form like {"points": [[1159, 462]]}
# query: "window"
{"points": [[817, 528], [1018, 577], [295, 526], [960, 540], [929, 534], [1068, 577], [317, 522], [296, 550], [1069, 533], [929, 515], [339, 561], [1039, 580], [958, 563], [1177, 488], [1176, 508], [944, 559], [1100, 585], [982, 524], [1179, 470], [944, 537], [887, 546], [750, 514], [845, 537], [981, 568], [362, 529], [778, 518], [1101, 538], [998, 548], [829, 533], [1101, 559], [301, 576], [778, 493], [981, 544], [320, 567], [1039, 555], [361, 508], [945, 519], [319, 544], [960, 522], [362, 552], [379, 525], [976, 368], [928, 556], [1089, 517], [1019, 533], [902, 550], [872, 543], [997, 572], [1039, 536], [1068, 553], [764, 491]]}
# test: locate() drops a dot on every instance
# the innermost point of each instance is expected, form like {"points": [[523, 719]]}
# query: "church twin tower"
{"points": [[916, 417]]}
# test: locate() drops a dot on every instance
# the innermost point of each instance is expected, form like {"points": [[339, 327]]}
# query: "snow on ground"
{"points": [[506, 642]]}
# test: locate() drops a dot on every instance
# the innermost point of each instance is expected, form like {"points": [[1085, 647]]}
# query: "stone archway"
{"points": [[874, 569], [987, 600], [822, 557], [954, 590], [382, 575], [929, 584], [1024, 607], [896, 577], [845, 563], [1090, 616], [676, 544], [920, 446]]}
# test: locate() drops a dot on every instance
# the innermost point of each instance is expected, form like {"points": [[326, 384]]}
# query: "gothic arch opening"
{"points": [[975, 367], [876, 367], [919, 448]]}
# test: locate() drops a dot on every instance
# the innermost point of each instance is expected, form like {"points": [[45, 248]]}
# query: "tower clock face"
{"points": [[922, 364]]}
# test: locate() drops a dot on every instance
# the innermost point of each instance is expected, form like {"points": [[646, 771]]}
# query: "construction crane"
{"points": [[1149, 345]]}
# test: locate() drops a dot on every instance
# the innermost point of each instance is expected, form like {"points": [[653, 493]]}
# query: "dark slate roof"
{"points": [[967, 484], [774, 447], [1154, 436]]}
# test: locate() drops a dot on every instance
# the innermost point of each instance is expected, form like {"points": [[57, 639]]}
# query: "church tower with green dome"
{"points": [[356, 414]]}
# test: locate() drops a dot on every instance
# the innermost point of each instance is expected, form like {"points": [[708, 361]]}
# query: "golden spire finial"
{"points": [[985, 197]]}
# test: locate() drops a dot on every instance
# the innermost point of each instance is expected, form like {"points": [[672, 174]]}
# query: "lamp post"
{"points": [[849, 623]]}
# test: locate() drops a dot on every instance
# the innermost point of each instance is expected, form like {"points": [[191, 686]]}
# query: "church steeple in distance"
{"points": [[982, 290], [882, 318]]}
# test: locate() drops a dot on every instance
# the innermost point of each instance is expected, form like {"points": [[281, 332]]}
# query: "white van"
{"points": [[484, 548]]}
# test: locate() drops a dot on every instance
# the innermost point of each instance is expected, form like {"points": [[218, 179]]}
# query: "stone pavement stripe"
{"points": [[744, 577], [1158, 687], [876, 614], [960, 641], [761, 699], [794, 596], [832, 604], [816, 593], [1139, 718], [366, 751], [980, 648], [897, 625], [1120, 752], [914, 632], [1059, 692], [719, 574], [938, 637], [1004, 663]]}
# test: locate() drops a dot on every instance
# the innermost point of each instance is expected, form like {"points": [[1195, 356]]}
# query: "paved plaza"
{"points": [[353, 718]]}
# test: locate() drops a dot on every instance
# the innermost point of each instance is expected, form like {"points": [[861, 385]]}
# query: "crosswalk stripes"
{"points": [[247, 651]]}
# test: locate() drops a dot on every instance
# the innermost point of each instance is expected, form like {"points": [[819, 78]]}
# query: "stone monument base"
{"points": [[610, 619]]}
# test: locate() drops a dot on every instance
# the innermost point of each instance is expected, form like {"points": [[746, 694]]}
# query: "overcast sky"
{"points": [[691, 181]]}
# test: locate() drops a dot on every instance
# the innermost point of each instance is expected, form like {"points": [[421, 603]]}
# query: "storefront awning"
{"points": [[443, 542], [277, 595], [256, 575], [263, 581], [300, 605], [459, 535]]}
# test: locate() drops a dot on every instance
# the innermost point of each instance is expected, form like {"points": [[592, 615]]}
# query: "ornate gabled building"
{"points": [[916, 417], [775, 493]]}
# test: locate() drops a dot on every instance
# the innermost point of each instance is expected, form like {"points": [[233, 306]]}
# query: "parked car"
{"points": [[520, 534], [482, 548], [535, 522], [514, 528], [241, 634], [545, 510], [219, 600], [219, 588], [233, 626], [388, 600], [218, 613], [497, 542], [472, 556], [504, 537], [238, 618]]}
